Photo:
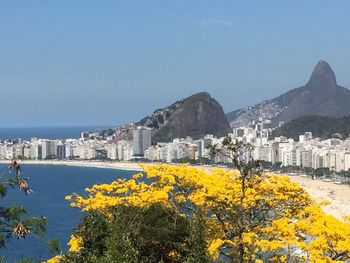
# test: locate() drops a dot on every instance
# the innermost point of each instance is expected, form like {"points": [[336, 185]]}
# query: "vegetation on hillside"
{"points": [[320, 126]]}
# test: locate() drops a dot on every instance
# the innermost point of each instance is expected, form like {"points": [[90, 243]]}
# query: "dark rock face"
{"points": [[194, 116], [323, 76], [320, 96]]}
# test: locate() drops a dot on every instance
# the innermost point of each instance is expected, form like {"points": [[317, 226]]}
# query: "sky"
{"points": [[72, 63]]}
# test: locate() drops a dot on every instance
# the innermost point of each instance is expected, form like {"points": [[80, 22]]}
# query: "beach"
{"points": [[337, 194]]}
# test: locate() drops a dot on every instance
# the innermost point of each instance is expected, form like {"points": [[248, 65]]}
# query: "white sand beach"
{"points": [[337, 194]]}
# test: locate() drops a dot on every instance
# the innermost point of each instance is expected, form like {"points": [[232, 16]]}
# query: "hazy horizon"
{"points": [[88, 63]]}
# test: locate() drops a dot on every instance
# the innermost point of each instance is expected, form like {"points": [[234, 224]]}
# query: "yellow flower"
{"points": [[214, 248], [55, 259], [75, 243]]}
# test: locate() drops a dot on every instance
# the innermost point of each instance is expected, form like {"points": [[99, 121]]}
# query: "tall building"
{"points": [[53, 147], [69, 149], [306, 158], [60, 151], [45, 146], [26, 151], [36, 151], [17, 150], [112, 153], [142, 139]]}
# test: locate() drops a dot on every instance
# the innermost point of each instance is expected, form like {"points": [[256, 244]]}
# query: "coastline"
{"points": [[92, 164], [337, 194]]}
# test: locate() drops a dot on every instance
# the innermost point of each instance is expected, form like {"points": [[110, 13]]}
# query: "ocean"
{"points": [[51, 183], [46, 132]]}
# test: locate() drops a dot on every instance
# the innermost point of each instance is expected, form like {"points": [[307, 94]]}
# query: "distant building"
{"points": [[27, 152], [17, 150], [45, 147], [69, 149], [142, 140], [306, 158], [101, 154], [61, 151], [85, 135], [112, 153], [203, 144], [124, 150]]}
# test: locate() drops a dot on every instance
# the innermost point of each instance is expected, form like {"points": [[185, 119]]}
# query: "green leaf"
{"points": [[54, 246], [3, 190]]}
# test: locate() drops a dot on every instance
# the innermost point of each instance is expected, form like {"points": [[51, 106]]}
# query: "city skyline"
{"points": [[77, 63], [307, 152]]}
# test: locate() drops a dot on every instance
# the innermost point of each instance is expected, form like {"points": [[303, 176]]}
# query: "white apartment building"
{"points": [[142, 139], [112, 153]]}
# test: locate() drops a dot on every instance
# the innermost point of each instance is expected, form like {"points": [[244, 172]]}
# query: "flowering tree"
{"points": [[248, 216]]}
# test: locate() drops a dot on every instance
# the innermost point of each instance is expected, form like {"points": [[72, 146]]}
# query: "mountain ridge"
{"points": [[321, 95]]}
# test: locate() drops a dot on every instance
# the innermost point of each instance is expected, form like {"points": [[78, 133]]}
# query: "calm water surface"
{"points": [[51, 184]]}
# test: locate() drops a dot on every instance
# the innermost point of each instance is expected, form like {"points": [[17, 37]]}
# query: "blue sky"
{"points": [[113, 62]]}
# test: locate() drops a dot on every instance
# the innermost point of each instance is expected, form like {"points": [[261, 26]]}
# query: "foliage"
{"points": [[205, 161], [54, 246], [321, 172], [320, 126], [163, 134], [22, 157], [242, 215], [345, 174], [14, 219], [136, 234]]}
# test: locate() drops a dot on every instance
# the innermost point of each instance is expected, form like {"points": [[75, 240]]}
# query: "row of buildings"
{"points": [[88, 146], [306, 152]]}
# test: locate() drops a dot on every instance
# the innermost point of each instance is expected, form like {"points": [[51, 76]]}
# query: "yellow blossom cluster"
{"points": [[55, 259], [267, 218], [75, 243]]}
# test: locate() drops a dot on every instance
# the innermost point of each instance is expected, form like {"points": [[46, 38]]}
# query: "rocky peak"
{"points": [[323, 75], [200, 96], [193, 116], [319, 96]]}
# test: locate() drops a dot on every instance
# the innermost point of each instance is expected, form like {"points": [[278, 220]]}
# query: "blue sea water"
{"points": [[46, 132], [51, 183]]}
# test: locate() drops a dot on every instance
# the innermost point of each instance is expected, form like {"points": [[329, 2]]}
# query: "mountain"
{"points": [[321, 95], [320, 126], [194, 116]]}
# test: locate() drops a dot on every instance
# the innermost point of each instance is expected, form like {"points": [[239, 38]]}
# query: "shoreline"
{"points": [[317, 189], [90, 164], [337, 194]]}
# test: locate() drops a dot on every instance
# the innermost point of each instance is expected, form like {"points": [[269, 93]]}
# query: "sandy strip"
{"points": [[338, 195], [95, 164]]}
